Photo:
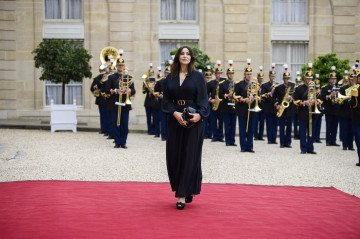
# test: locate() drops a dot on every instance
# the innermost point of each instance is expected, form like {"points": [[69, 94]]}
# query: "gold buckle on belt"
{"points": [[181, 102]]}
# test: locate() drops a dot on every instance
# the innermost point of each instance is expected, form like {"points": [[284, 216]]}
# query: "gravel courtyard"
{"points": [[88, 156]]}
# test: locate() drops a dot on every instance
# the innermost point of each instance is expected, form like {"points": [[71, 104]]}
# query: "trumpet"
{"points": [[336, 89]]}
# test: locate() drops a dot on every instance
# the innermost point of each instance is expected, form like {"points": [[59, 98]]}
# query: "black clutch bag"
{"points": [[187, 117]]}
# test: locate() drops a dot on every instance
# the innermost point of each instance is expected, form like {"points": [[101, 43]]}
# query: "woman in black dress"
{"points": [[183, 88]]}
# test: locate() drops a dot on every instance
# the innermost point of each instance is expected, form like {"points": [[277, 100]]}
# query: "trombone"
{"points": [[123, 86], [252, 91], [312, 97]]}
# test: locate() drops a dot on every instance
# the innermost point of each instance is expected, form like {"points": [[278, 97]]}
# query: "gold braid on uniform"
{"points": [[355, 93]]}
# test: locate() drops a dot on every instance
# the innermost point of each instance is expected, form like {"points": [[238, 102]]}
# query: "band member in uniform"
{"points": [[331, 108], [227, 105], [304, 97], [186, 102], [285, 108], [208, 130], [95, 88], [344, 81], [298, 82], [159, 87], [216, 119], [156, 105], [268, 106], [109, 54], [355, 111], [345, 119], [247, 91], [148, 87], [120, 86], [259, 116], [318, 117]]}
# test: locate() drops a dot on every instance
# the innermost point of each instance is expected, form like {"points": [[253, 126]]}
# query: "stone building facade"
{"points": [[280, 31]]}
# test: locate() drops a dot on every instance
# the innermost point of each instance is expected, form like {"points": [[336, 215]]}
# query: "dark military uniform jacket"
{"points": [[212, 85], [226, 105], [278, 96], [149, 98], [355, 108], [212, 88], [330, 108], [267, 103], [301, 93], [101, 86], [156, 101], [242, 108], [113, 83]]}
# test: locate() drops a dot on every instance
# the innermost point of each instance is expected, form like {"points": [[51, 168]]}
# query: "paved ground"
{"points": [[41, 155]]}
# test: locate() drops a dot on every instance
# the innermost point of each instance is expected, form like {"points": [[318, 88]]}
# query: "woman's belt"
{"points": [[180, 105], [183, 102]]}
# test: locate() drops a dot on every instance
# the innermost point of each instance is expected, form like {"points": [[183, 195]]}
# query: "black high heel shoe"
{"points": [[180, 205], [189, 199]]}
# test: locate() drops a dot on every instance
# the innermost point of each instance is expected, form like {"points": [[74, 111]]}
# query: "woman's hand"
{"points": [[178, 117], [196, 117]]}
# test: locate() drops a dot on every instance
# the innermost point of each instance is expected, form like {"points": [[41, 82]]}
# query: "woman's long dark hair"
{"points": [[176, 66]]}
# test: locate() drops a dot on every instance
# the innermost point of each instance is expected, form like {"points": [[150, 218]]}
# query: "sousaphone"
{"points": [[109, 51]]}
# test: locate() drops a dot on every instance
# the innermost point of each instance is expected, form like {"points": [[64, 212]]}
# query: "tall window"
{"points": [[167, 46], [73, 90], [289, 11], [178, 10], [63, 9], [295, 55]]}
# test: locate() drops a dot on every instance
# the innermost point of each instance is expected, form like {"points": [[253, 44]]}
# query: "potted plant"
{"points": [[62, 61]]}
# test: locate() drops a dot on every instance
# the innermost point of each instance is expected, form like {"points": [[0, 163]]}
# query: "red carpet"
{"points": [[67, 209]]}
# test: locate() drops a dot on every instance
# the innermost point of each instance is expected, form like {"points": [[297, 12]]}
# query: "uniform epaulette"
{"points": [[324, 86], [237, 82], [277, 85], [220, 82]]}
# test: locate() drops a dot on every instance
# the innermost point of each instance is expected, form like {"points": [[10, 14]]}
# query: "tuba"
{"points": [[107, 52], [341, 98]]}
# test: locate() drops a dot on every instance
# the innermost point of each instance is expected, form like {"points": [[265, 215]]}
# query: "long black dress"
{"points": [[184, 145]]}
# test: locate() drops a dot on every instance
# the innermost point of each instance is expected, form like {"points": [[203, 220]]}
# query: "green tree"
{"points": [[322, 66], [62, 61], [202, 60]]}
